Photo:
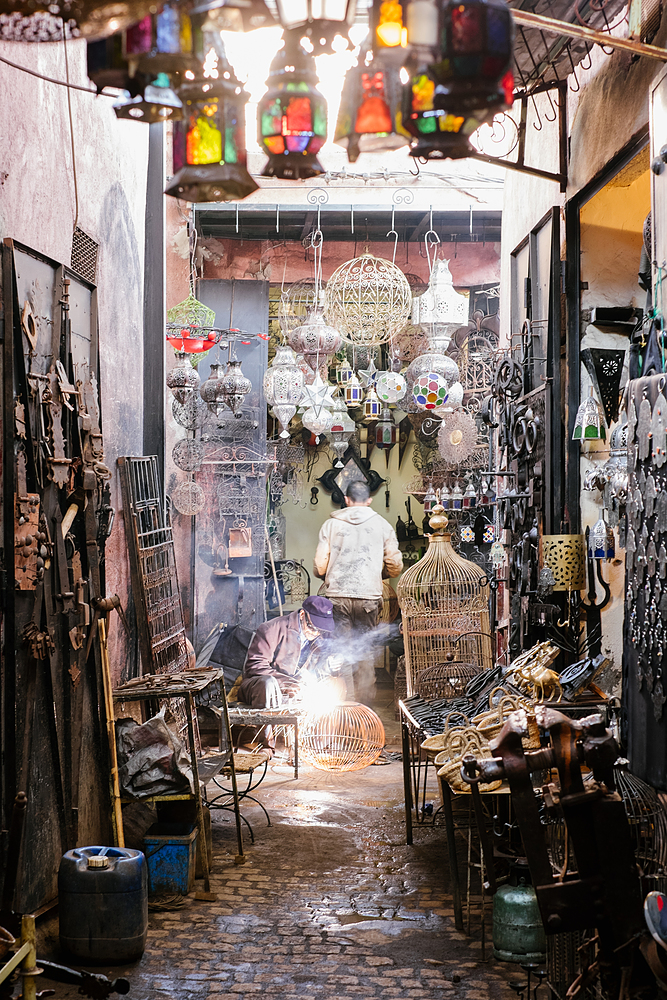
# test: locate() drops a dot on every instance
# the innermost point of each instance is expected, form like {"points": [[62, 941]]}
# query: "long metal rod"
{"points": [[557, 27]]}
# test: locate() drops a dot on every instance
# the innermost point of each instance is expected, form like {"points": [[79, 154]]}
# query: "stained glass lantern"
{"points": [[234, 387], [344, 372], [455, 396], [315, 339], [430, 391], [341, 430], [211, 390], [157, 103], [601, 543], [318, 20], [190, 326], [182, 379], [425, 364], [390, 386], [354, 394], [161, 42], [437, 131], [368, 299], [283, 386], [372, 405], [385, 430], [589, 423], [292, 116], [369, 113], [209, 144], [430, 499], [388, 29]]}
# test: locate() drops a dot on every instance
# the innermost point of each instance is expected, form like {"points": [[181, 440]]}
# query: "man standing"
{"points": [[356, 549]]}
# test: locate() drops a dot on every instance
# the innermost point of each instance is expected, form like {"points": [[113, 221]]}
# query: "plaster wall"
{"points": [[38, 208]]}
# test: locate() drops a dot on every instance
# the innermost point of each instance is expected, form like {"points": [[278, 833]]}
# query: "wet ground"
{"points": [[331, 903]]}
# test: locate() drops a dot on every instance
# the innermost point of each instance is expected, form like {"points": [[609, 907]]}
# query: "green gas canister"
{"points": [[518, 932]]}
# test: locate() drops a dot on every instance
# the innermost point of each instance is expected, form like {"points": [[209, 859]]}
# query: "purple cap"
{"points": [[320, 612]]}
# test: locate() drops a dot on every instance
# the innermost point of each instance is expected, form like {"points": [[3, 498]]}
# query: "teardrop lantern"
{"points": [[316, 340], [283, 386], [182, 379], [211, 390], [234, 387]]}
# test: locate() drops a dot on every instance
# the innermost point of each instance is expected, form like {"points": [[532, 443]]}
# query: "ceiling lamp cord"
{"points": [[71, 132]]}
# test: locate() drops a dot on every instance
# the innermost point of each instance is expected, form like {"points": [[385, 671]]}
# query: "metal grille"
{"points": [[84, 255]]}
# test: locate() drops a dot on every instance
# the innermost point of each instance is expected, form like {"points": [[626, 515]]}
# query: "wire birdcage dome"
{"points": [[368, 299], [346, 737], [297, 301], [444, 601], [446, 680]]}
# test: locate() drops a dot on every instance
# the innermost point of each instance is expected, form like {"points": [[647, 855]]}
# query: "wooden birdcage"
{"points": [[444, 601]]}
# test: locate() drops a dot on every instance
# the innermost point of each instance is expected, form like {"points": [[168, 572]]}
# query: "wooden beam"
{"points": [[588, 34]]}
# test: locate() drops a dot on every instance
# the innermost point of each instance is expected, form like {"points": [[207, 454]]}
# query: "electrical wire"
{"points": [[50, 79], [71, 134]]}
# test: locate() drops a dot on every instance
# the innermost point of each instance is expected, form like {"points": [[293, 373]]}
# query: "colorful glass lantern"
{"points": [[354, 394], [388, 24], [455, 396], [292, 116], [372, 405], [385, 430], [589, 423], [234, 387], [315, 339], [430, 391], [430, 499], [283, 386], [209, 144], [318, 20], [183, 378], [161, 42], [437, 131], [601, 543], [341, 430], [390, 386], [369, 113], [344, 372], [157, 103]]}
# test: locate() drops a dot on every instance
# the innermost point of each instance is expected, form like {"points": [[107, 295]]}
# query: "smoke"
{"points": [[354, 655]]}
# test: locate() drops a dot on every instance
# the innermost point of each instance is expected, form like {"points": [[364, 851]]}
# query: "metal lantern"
{"points": [[234, 387], [385, 430], [318, 20], [341, 430], [390, 386], [424, 364], [454, 396], [369, 113], [283, 386], [354, 394], [162, 42], [190, 326], [430, 499], [344, 372], [436, 131], [157, 103], [182, 379], [372, 405], [317, 421], [429, 391], [315, 340], [209, 144], [346, 737], [292, 116], [601, 543], [211, 390], [368, 299], [440, 311], [589, 423]]}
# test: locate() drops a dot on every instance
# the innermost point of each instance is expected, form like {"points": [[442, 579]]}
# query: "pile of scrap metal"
{"points": [[603, 895]]}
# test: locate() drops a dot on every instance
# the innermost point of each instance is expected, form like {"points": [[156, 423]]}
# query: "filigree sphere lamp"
{"points": [[429, 391], [292, 115], [346, 737], [368, 299], [283, 386]]}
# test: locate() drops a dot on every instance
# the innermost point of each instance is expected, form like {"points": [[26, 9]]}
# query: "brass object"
{"points": [[565, 557], [346, 737], [531, 672], [444, 600]]}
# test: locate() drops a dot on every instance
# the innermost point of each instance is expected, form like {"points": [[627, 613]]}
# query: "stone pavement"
{"points": [[331, 904]]}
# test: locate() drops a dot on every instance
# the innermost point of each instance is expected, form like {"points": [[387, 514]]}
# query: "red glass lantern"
{"points": [[369, 118], [292, 115], [385, 430]]}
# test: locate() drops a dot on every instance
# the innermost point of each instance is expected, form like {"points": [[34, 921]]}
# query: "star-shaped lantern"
{"points": [[369, 375], [318, 395]]}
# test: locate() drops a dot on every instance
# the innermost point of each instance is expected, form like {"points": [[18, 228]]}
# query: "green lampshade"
{"points": [[589, 423]]}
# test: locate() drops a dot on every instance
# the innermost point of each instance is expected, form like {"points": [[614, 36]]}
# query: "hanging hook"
{"points": [[237, 216], [431, 239], [415, 173], [538, 128], [551, 103], [392, 232], [277, 218], [352, 219]]}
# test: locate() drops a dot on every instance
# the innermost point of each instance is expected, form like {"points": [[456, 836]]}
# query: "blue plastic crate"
{"points": [[170, 855]]}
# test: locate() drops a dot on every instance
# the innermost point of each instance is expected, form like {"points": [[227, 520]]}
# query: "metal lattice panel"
{"points": [[84, 255]]}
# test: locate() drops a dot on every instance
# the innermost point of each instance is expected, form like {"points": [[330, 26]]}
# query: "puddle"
{"points": [[353, 918]]}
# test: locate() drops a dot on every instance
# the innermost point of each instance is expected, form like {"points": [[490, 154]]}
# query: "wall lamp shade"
{"points": [[318, 20], [589, 423], [292, 116], [369, 114]]}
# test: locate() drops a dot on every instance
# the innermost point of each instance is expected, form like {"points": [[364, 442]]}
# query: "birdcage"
{"points": [[444, 601], [446, 680], [346, 737]]}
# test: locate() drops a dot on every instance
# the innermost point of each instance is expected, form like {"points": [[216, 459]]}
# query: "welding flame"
{"points": [[318, 696]]}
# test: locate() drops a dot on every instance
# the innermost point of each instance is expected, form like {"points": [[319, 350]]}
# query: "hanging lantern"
{"points": [[234, 387], [354, 394], [318, 20], [368, 299], [317, 421], [182, 379], [436, 131], [344, 372], [341, 430], [190, 326], [315, 340], [292, 115], [161, 42], [372, 405], [368, 376], [387, 22], [390, 386], [209, 144], [440, 311], [211, 390], [430, 499], [157, 103], [283, 386], [236, 15], [385, 430], [601, 543], [429, 391], [589, 423], [369, 113], [425, 364], [454, 396]]}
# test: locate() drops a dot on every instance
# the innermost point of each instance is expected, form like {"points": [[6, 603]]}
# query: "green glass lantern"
{"points": [[589, 422], [292, 115]]}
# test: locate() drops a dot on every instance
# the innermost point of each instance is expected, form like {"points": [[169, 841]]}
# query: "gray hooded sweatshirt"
{"points": [[356, 548]]}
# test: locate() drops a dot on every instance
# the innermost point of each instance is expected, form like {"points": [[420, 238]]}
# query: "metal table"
{"points": [[241, 715]]}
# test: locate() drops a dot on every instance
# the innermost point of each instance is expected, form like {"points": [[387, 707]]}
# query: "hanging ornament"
{"points": [[385, 430], [369, 112], [372, 405], [390, 386], [318, 395], [344, 372], [589, 422], [188, 455], [430, 499], [283, 386], [425, 364], [601, 543], [368, 376], [368, 299], [182, 379], [341, 430], [441, 310], [354, 394], [457, 437], [211, 390], [429, 391], [192, 413], [189, 498], [234, 386], [315, 340], [317, 421], [292, 115], [190, 326]]}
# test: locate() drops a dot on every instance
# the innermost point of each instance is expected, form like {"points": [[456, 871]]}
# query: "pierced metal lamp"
{"points": [[589, 423], [601, 542]]}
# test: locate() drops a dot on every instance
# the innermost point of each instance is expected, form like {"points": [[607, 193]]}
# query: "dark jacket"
{"points": [[276, 649]]}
